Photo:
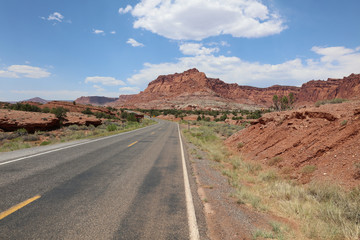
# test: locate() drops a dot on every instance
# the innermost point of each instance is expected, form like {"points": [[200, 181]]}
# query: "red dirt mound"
{"points": [[309, 144]]}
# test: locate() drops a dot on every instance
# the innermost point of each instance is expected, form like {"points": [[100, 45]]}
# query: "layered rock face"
{"points": [[325, 139], [74, 108], [348, 87], [95, 100], [11, 120], [192, 89]]}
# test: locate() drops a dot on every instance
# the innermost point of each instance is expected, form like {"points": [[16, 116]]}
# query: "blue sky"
{"points": [[67, 49]]}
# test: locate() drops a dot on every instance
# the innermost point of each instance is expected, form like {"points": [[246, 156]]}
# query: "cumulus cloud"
{"points": [[125, 10], [56, 17], [99, 88], [24, 71], [196, 49], [98, 31], [129, 90], [199, 19], [134, 43], [235, 70], [107, 81]]}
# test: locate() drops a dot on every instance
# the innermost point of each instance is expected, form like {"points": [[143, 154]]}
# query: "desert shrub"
{"points": [[45, 110], [269, 176], [111, 128], [240, 145], [330, 101], [59, 112], [21, 132], [44, 143], [343, 123], [31, 138], [25, 107], [254, 115], [73, 127], [308, 169], [87, 111], [274, 161], [223, 117], [4, 136], [131, 117]]}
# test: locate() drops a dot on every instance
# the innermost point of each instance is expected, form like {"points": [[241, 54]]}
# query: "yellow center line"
{"points": [[18, 206], [132, 144]]}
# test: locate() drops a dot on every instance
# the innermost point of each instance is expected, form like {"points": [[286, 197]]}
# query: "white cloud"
{"points": [[235, 70], [134, 43], [196, 49], [24, 71], [129, 90], [99, 88], [199, 19], [125, 10], [107, 81], [98, 31], [7, 74], [56, 17], [113, 32]]}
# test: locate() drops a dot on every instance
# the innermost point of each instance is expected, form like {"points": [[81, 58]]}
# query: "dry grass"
{"points": [[323, 211]]}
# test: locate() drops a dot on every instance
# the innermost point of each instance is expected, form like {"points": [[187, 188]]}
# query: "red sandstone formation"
{"points": [[326, 138], [73, 118], [11, 120], [193, 90], [75, 107]]}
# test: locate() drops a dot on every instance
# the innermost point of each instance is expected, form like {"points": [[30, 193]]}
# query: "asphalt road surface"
{"points": [[128, 186]]}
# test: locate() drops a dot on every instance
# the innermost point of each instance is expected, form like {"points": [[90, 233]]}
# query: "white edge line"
{"points": [[71, 146], [193, 227]]}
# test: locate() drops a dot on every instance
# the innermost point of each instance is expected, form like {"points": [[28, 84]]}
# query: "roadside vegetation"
{"points": [[330, 101], [323, 211], [10, 141], [204, 115]]}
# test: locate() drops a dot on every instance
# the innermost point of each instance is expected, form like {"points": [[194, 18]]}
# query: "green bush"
{"points": [[87, 111], [44, 143], [25, 107], [59, 112], [45, 110], [21, 132], [131, 117], [111, 128]]}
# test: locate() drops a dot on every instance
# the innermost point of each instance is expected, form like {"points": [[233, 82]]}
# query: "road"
{"points": [[129, 186]]}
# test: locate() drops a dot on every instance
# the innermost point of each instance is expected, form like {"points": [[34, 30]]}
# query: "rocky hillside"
{"points": [[307, 144], [348, 87], [193, 90]]}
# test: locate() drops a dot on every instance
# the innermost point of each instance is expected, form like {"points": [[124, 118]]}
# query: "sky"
{"points": [[61, 50]]}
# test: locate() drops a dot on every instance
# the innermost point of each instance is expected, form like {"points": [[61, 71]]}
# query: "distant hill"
{"points": [[95, 100], [37, 100]]}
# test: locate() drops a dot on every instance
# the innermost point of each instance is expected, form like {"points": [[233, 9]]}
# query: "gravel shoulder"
{"points": [[225, 219]]}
